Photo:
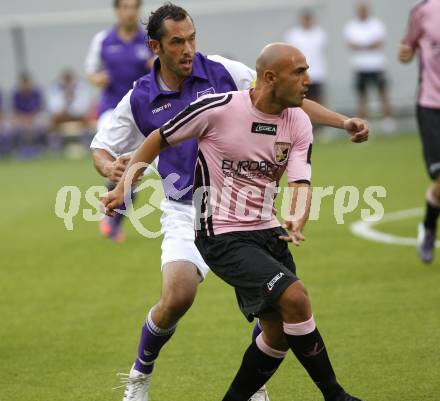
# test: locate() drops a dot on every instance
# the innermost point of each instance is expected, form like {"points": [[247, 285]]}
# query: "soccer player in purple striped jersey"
{"points": [[237, 231], [423, 37], [179, 76], [117, 57]]}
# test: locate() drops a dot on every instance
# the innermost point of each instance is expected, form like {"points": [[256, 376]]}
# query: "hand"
{"points": [[294, 230], [117, 168], [406, 53], [111, 200], [102, 79], [357, 128]]}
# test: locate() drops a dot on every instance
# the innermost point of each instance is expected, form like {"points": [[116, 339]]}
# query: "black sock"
{"points": [[310, 351], [431, 216], [255, 370]]}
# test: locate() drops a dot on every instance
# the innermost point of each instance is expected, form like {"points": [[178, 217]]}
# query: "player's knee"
{"points": [[273, 334], [295, 303], [297, 300]]}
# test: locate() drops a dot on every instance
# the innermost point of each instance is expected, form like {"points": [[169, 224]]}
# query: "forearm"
{"points": [[102, 161], [321, 115], [300, 203], [376, 45], [144, 155]]}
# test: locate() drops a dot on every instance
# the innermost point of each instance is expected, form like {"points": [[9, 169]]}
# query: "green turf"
{"points": [[72, 303]]}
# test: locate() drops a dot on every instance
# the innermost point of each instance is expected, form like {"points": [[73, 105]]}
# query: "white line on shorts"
{"points": [[366, 230]]}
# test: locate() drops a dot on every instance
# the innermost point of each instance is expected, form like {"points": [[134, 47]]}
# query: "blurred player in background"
{"points": [[116, 59], [311, 39], [6, 138], [28, 121], [250, 251], [365, 36], [423, 37], [68, 101], [179, 76]]}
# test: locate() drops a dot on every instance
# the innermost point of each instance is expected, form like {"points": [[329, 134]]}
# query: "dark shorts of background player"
{"points": [[429, 127], [315, 92], [367, 79], [256, 263]]}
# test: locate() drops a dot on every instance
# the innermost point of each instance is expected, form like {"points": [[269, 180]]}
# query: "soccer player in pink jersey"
{"points": [[247, 139], [179, 76], [423, 37]]}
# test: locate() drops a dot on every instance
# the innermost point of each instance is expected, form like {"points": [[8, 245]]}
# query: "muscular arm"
{"points": [[108, 166], [320, 115], [244, 77], [102, 160], [301, 200], [357, 128], [145, 154]]}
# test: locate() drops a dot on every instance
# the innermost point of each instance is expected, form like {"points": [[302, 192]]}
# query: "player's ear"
{"points": [[154, 45], [269, 77]]}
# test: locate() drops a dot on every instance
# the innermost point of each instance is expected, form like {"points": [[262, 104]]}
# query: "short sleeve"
{"points": [[93, 62], [194, 121], [120, 135], [414, 29], [299, 165]]}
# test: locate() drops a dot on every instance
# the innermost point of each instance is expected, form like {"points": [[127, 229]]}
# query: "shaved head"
{"points": [[277, 56], [282, 78]]}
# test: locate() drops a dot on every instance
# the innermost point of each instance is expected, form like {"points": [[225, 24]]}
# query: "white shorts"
{"points": [[178, 229]]}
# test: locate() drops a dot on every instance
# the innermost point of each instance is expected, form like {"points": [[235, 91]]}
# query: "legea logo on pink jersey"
{"points": [[264, 128]]}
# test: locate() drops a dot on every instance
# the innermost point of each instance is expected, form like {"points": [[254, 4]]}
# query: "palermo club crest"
{"points": [[281, 152]]}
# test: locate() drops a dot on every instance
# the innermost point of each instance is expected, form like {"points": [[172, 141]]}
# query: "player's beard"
{"points": [[181, 71]]}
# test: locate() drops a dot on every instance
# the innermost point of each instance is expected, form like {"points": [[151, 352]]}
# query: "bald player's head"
{"points": [[282, 70], [277, 56]]}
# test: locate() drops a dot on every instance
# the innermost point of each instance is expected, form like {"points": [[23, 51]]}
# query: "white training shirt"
{"points": [[364, 33], [312, 44]]}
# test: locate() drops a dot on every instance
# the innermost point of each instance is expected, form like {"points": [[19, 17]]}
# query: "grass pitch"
{"points": [[72, 303]]}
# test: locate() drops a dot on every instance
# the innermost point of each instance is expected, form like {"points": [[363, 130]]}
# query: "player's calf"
{"points": [[259, 363], [306, 342]]}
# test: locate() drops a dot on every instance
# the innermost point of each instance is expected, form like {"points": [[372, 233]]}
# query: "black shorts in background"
{"points": [[256, 263], [429, 126], [315, 92], [367, 79]]}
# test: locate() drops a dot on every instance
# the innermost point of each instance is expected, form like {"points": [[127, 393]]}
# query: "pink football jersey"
{"points": [[243, 153]]}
